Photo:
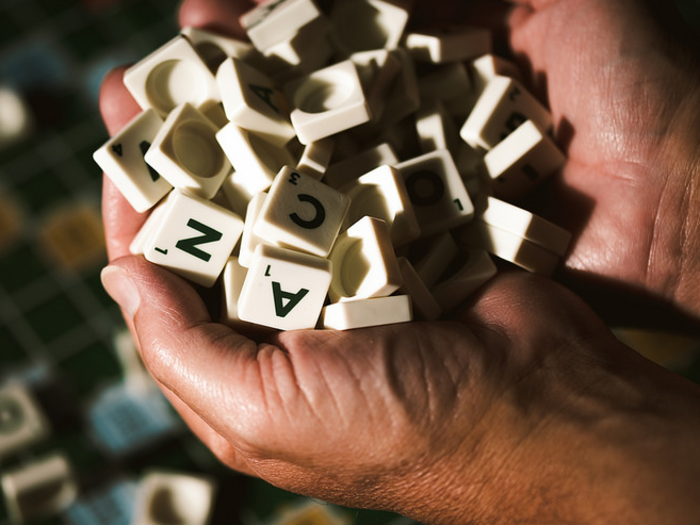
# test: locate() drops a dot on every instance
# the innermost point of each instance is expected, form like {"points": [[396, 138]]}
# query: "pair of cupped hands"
{"points": [[522, 406]]}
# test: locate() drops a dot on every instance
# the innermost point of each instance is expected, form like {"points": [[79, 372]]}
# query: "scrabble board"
{"points": [[61, 337]]}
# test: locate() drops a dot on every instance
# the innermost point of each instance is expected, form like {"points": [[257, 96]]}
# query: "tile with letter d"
{"points": [[284, 289], [194, 238], [436, 190], [301, 213]]}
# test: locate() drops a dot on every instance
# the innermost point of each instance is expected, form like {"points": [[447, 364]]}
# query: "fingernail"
{"points": [[120, 287]]}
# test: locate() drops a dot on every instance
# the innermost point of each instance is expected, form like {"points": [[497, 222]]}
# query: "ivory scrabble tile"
{"points": [[404, 98], [44, 487], [445, 44], [503, 106], [233, 277], [254, 102], [138, 243], [521, 161], [214, 48], [172, 75], [364, 262], [284, 289], [436, 257], [382, 193], [423, 303], [476, 268], [510, 247], [521, 222], [363, 313], [363, 25], [315, 158], [122, 159], [274, 21], [237, 193], [436, 190], [249, 240], [22, 421], [445, 82], [301, 213], [377, 69], [186, 153], [306, 50], [488, 66], [256, 160], [165, 497], [436, 129], [351, 168], [194, 238], [327, 101]]}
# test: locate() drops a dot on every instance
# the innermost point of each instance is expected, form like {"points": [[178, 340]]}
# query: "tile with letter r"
{"points": [[194, 238]]}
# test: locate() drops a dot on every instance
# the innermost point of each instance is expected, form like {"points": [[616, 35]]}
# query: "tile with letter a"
{"points": [[436, 190], [284, 289], [122, 159], [194, 238], [301, 213]]}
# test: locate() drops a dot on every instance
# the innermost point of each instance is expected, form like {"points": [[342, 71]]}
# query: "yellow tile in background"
{"points": [[72, 238]]}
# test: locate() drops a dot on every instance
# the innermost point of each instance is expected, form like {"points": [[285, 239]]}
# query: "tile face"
{"points": [[345, 171], [436, 258], [185, 152], [284, 289], [122, 159], [503, 105], [364, 262], [171, 76], [510, 247], [423, 303], [382, 193], [521, 161], [436, 190], [301, 213], [274, 21], [22, 422], [363, 313], [327, 101], [509, 217], [449, 44], [194, 238], [189, 500], [214, 48], [253, 101], [363, 25], [256, 160]]}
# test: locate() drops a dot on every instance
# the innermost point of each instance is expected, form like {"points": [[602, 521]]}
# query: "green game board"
{"points": [[57, 326]]}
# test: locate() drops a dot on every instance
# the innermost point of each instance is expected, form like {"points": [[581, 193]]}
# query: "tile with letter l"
{"points": [[122, 160], [194, 238], [284, 289], [301, 213]]}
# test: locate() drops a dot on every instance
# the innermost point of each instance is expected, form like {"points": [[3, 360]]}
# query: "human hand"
{"points": [[522, 407], [623, 86]]}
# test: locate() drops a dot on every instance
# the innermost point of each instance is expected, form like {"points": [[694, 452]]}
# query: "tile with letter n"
{"points": [[194, 238], [284, 289]]}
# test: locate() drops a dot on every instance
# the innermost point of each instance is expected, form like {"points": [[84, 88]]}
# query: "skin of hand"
{"points": [[522, 408]]}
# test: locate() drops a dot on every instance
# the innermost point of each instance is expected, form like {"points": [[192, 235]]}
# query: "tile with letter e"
{"points": [[503, 105], [170, 76], [284, 289], [363, 313], [186, 153], [364, 262], [301, 213], [437, 192], [122, 159], [382, 193], [194, 238], [253, 101], [521, 161]]}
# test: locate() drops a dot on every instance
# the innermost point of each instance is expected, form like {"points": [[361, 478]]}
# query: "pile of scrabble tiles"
{"points": [[338, 170]]}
